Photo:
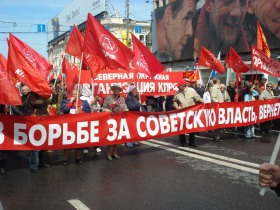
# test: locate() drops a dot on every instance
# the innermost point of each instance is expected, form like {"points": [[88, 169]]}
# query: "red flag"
{"points": [[66, 65], [28, 67], [75, 43], [9, 94], [72, 76], [236, 63], [50, 77], [262, 63], [261, 41], [3, 62], [59, 75], [93, 63], [226, 61], [103, 44], [192, 75], [144, 61], [209, 60], [33, 58]]}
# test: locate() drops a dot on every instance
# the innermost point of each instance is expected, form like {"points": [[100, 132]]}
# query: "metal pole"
{"points": [[127, 21]]}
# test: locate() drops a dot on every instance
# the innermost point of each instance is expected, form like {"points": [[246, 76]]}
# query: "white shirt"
{"points": [[207, 97]]}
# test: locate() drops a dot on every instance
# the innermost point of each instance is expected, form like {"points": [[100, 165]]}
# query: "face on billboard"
{"points": [[268, 13], [179, 28], [174, 27], [226, 18]]}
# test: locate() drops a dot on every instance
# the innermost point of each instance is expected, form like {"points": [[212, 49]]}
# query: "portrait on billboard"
{"points": [[220, 26], [216, 25], [268, 14], [173, 23]]}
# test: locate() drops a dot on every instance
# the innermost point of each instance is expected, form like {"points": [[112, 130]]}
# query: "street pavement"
{"points": [[157, 175]]}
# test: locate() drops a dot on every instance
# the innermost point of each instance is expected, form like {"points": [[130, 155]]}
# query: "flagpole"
{"points": [[237, 87], [209, 78], [79, 80], [199, 74]]}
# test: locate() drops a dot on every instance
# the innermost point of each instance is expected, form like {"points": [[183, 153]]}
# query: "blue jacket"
{"points": [[132, 102], [66, 106]]}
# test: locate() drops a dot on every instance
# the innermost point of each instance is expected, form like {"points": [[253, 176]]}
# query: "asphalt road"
{"points": [[158, 174]]}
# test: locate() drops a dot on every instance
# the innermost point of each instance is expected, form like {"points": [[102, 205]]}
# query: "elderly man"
{"points": [[267, 12], [219, 27], [216, 96], [185, 97], [266, 94], [173, 29]]}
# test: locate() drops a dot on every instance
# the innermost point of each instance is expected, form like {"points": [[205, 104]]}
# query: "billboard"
{"points": [[76, 14], [181, 28]]}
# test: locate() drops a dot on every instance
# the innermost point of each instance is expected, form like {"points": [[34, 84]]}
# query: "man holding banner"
{"points": [[216, 96], [185, 97], [266, 94]]}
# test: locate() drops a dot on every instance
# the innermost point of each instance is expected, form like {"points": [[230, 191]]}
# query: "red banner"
{"points": [[162, 84], [264, 64], [105, 128]]}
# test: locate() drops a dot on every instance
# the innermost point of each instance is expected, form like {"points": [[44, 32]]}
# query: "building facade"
{"points": [[60, 26]]}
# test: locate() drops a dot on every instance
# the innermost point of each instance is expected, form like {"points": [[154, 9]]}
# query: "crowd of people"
{"points": [[189, 93]]}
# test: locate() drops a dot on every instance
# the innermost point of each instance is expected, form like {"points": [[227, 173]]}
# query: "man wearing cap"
{"points": [[133, 104], [185, 97]]}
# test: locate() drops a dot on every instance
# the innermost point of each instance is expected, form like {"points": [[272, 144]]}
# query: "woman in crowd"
{"points": [[250, 96], [133, 104], [114, 103], [225, 93]]}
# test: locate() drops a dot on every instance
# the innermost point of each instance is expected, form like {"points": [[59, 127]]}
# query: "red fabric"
{"points": [[28, 67], [236, 63], [9, 94], [192, 76], [72, 77], [59, 75], [3, 62], [144, 61], [209, 60], [262, 63], [226, 61], [93, 63], [75, 43], [51, 76], [180, 83], [103, 44], [261, 41], [33, 58], [66, 65], [93, 129]]}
